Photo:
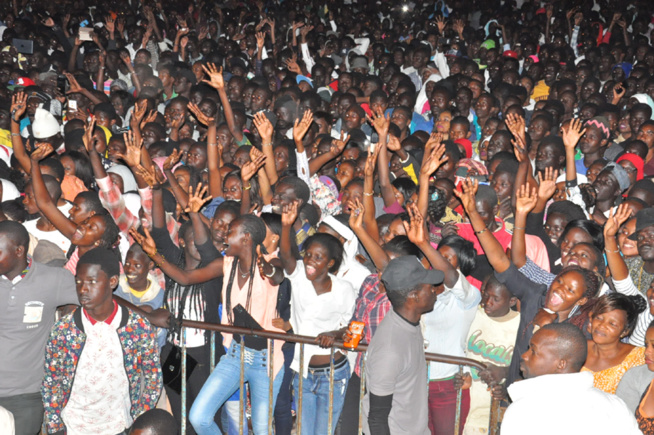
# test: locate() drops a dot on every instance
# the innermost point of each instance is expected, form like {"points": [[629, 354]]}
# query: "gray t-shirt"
{"points": [[27, 313], [633, 384], [396, 365]]}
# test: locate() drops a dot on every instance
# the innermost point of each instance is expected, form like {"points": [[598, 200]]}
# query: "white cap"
{"points": [[45, 125]]}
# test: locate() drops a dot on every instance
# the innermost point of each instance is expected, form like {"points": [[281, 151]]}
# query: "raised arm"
{"points": [[183, 277], [197, 199], [289, 215], [416, 231], [18, 107], [214, 151], [493, 249], [266, 130], [217, 82], [377, 254], [368, 196], [430, 164], [337, 147], [248, 171], [525, 202], [381, 123], [43, 200], [154, 178], [616, 263], [571, 135]]}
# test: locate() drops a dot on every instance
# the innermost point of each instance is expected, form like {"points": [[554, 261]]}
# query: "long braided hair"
{"points": [[177, 295], [256, 228]]}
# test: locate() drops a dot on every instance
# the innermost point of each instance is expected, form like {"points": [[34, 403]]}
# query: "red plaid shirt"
{"points": [[114, 202], [371, 307]]}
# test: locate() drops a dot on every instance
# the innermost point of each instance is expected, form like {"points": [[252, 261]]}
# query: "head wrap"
{"points": [[635, 160]]}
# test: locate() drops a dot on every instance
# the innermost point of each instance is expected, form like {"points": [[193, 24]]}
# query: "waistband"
{"points": [[326, 368]]}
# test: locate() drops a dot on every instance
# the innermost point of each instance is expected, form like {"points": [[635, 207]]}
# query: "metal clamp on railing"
{"points": [[302, 340]]}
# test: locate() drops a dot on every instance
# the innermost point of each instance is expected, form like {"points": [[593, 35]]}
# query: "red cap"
{"points": [[511, 54], [24, 81]]}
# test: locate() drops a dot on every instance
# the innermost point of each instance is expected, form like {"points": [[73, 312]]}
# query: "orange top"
{"points": [[607, 380]]}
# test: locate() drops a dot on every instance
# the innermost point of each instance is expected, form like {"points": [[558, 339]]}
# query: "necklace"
{"points": [[243, 275]]}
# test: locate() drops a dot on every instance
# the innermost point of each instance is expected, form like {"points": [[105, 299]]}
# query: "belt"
{"points": [[337, 365]]}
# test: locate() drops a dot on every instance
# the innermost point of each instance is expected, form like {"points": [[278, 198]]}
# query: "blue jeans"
{"points": [[230, 417], [225, 380], [315, 398]]}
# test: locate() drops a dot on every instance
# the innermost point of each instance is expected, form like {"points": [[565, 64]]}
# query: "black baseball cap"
{"points": [[407, 272], [644, 219]]}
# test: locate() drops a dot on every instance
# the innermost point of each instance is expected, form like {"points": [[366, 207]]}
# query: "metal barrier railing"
{"points": [[302, 340]]}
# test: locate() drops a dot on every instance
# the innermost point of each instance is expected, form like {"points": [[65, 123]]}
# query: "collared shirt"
{"points": [[21, 275], [108, 320], [99, 401], [371, 307]]}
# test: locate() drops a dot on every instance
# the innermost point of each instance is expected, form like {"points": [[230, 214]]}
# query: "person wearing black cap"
{"points": [[101, 362], [641, 268], [396, 369]]}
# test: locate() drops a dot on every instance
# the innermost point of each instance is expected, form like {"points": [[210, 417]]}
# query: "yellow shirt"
{"points": [[608, 379]]}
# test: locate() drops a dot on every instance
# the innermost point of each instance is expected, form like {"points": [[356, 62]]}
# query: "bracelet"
{"points": [[249, 187], [15, 134], [570, 183], [274, 271], [408, 156], [17, 121], [518, 228], [481, 232], [368, 194], [266, 144], [612, 252]]}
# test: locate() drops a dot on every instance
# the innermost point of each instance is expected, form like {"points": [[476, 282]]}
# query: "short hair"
{"points": [[465, 252], [229, 206], [401, 245], [106, 259], [52, 186], [15, 232], [299, 187], [405, 186], [333, 246], [631, 305], [160, 422], [569, 209], [460, 120], [593, 229], [452, 151], [55, 166], [486, 193], [91, 201], [571, 344]]}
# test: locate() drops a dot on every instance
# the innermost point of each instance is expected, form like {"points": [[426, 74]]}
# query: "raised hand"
{"points": [[293, 66], [152, 117], [264, 127], [110, 24], [126, 59], [338, 145], [265, 268], [393, 144], [434, 161], [356, 214], [290, 213], [74, 86], [618, 92], [516, 125], [18, 105], [416, 228], [140, 108], [42, 150], [467, 196], [197, 198], [88, 139], [547, 181], [434, 140], [261, 39], [371, 161], [132, 154], [201, 117], [215, 75], [153, 177], [615, 220], [301, 127], [572, 133], [525, 200], [172, 160], [250, 168], [380, 122], [440, 23], [146, 241]]}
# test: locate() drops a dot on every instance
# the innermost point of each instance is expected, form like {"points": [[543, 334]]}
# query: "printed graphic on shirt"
{"points": [[33, 312], [496, 354]]}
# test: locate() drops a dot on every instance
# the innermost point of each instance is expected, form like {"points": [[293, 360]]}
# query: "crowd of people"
{"points": [[464, 177]]}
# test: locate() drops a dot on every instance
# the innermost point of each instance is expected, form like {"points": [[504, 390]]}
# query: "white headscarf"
{"points": [[422, 95]]}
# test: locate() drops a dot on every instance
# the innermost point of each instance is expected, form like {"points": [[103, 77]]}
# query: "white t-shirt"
{"points": [[312, 314], [53, 236]]}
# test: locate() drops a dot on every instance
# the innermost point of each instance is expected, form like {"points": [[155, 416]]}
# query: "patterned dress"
{"points": [[645, 424], [607, 380]]}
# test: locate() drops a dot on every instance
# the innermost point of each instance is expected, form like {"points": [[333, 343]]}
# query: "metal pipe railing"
{"points": [[302, 340]]}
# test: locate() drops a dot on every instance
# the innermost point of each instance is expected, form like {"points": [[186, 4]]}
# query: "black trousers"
{"points": [[27, 410], [348, 423]]}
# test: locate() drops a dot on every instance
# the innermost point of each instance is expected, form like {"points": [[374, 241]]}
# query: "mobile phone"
{"points": [[61, 84], [84, 23], [72, 105], [86, 34], [23, 46]]}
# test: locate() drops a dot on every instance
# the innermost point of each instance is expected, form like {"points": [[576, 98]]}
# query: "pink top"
{"points": [[263, 305]]}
